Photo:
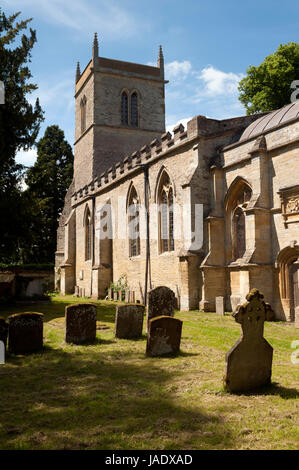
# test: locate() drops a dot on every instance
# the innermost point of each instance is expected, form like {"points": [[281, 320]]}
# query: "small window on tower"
{"points": [[134, 110], [124, 109], [83, 113]]}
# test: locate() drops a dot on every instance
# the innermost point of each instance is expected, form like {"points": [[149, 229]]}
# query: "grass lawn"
{"points": [[109, 395]]}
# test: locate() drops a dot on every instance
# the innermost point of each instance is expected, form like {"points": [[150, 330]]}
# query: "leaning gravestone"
{"points": [[164, 336], [25, 332], [129, 321], [220, 305], [80, 323], [161, 301], [249, 362], [3, 331]]}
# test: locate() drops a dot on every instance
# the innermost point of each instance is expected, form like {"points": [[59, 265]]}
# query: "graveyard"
{"points": [[107, 393]]}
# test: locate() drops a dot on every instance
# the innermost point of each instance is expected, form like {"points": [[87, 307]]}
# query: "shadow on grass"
{"points": [[73, 400], [273, 389], [56, 309]]}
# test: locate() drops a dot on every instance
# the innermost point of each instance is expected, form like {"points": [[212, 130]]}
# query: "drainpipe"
{"points": [[147, 254]]}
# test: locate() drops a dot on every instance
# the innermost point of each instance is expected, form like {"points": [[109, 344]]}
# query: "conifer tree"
{"points": [[19, 127], [48, 181]]}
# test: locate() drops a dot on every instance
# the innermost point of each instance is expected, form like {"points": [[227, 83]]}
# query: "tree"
{"points": [[19, 127], [267, 86], [48, 181]]}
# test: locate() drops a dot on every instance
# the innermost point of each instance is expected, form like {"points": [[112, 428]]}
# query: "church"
{"points": [[208, 210]]}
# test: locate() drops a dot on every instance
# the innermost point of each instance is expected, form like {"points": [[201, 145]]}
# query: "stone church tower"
{"points": [[119, 107]]}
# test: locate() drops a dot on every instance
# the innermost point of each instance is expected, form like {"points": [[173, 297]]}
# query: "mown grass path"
{"points": [[109, 395]]}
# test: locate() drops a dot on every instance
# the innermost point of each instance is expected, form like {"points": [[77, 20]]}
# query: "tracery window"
{"points": [[88, 234], [134, 223], [124, 108], [166, 219], [134, 109], [239, 205]]}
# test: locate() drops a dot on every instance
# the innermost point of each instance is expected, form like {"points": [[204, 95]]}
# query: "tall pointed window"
{"points": [[124, 109], [134, 110], [238, 220], [166, 219], [134, 223], [83, 113], [88, 234]]}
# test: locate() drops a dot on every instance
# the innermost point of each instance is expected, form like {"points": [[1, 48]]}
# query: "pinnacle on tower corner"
{"points": [[95, 47], [78, 72], [161, 61]]}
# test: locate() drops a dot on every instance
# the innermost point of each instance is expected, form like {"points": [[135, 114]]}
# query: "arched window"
{"points": [[134, 222], [134, 109], [166, 220], [239, 233], [88, 234], [124, 109], [239, 201], [83, 113]]}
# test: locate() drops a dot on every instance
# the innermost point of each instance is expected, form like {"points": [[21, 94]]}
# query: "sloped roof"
{"points": [[271, 120]]}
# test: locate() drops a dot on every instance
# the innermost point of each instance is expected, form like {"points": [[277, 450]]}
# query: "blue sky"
{"points": [[207, 48]]}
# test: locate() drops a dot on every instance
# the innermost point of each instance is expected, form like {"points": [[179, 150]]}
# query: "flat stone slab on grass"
{"points": [[80, 323], [249, 362], [3, 331], [164, 336], [129, 321], [25, 332]]}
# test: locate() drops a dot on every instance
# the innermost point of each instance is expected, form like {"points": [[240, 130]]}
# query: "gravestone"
{"points": [[3, 331], [25, 332], [161, 301], [220, 305], [127, 296], [2, 352], [80, 323], [164, 336], [129, 321], [109, 293], [115, 295], [249, 362]]}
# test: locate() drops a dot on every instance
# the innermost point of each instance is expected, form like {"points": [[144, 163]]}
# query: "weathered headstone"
{"points": [[161, 301], [127, 296], [80, 323], [220, 305], [129, 321], [3, 331], [164, 336], [25, 332], [2, 352], [115, 295], [249, 362], [76, 291]]}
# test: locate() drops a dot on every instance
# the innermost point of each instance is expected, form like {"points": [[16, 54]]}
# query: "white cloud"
{"points": [[169, 127], [177, 70], [217, 82], [26, 158], [105, 16], [58, 94]]}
